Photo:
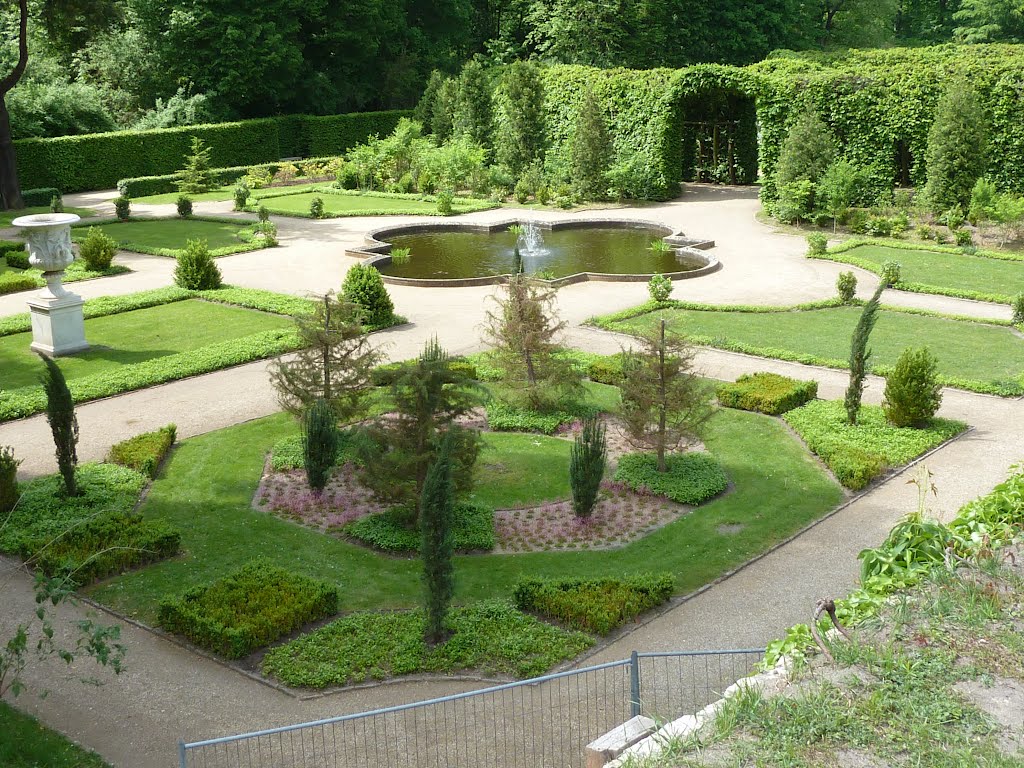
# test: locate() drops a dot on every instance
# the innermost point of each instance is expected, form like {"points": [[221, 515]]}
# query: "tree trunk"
{"points": [[10, 189]]}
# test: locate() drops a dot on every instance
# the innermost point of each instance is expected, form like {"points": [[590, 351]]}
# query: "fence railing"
{"points": [[544, 722]]}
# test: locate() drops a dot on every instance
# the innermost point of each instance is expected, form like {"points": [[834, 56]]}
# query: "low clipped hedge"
{"points": [[692, 478], [247, 239], [858, 454], [472, 529], [14, 253], [593, 605], [90, 536], [12, 282], [144, 452], [606, 370], [767, 393], [248, 609], [40, 196]]}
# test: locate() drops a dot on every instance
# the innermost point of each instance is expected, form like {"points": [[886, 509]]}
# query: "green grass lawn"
{"points": [[362, 205], [209, 481], [6, 217], [131, 337], [168, 234], [521, 470], [957, 271], [227, 192], [27, 743], [970, 351]]}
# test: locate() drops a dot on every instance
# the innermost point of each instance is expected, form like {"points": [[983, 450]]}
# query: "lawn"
{"points": [[227, 192], [128, 338], [6, 217], [27, 743], [970, 354], [354, 204], [944, 272], [517, 470], [209, 482], [168, 235]]}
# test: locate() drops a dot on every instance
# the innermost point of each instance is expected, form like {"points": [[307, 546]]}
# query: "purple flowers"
{"points": [[286, 493]]}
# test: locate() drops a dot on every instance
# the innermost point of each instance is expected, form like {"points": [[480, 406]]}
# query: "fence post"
{"points": [[182, 761], [634, 684]]}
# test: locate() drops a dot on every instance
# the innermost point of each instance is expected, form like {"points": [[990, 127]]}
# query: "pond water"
{"points": [[460, 253]]}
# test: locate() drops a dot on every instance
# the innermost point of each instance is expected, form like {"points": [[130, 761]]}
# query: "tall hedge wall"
{"points": [[99, 160]]}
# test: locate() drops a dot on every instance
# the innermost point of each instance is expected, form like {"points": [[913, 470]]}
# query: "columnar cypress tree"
{"points": [[473, 109], [60, 414], [955, 158], [587, 463], [437, 549], [519, 117], [591, 150], [807, 152], [319, 443], [860, 354]]}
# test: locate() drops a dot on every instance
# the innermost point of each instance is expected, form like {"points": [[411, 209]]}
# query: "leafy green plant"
{"points": [[122, 207], [890, 274], [846, 287], [472, 530], [316, 207], [97, 250], [195, 178], [521, 191], [597, 605], [196, 270], [364, 287], [860, 354], [247, 609], [767, 393], [587, 463], [56, 204], [659, 287], [506, 417], [957, 142], [401, 256], [438, 542], [689, 478], [240, 194], [262, 213], [144, 453], [184, 205], [9, 493], [445, 199], [817, 243], [1018, 309], [912, 391]]}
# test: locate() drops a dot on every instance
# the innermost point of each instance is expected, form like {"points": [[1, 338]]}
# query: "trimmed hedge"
{"points": [[692, 478], [595, 605], [248, 609], [766, 393], [142, 186], [100, 160], [14, 253], [144, 452], [472, 529], [41, 196], [12, 282], [90, 536]]}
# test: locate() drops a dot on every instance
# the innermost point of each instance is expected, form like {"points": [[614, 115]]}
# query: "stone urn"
{"points": [[58, 327]]}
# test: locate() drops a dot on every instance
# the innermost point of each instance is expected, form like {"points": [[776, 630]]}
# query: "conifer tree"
{"points": [[334, 363], [60, 415], [319, 443], [807, 152], [591, 150], [473, 112], [587, 463], [196, 177], [955, 158], [519, 117], [664, 401], [912, 391], [860, 354], [437, 548]]}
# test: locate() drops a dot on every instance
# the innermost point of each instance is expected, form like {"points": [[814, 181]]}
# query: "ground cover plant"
{"points": [[597, 606], [209, 482], [27, 743], [472, 530], [340, 202], [144, 452], [766, 393], [984, 275], [88, 536], [979, 356], [168, 236], [13, 280], [490, 637], [248, 609], [858, 454], [690, 478]]}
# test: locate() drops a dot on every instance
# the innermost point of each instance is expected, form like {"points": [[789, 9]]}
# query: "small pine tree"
{"points": [[196, 177], [860, 354], [955, 158], [196, 269], [912, 391], [664, 401], [365, 288], [8, 480], [60, 415], [807, 152], [437, 548], [591, 151], [473, 116], [334, 364], [519, 136], [424, 111], [184, 204], [442, 113], [319, 444], [587, 463]]}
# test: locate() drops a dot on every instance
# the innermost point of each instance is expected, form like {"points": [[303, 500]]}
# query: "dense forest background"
{"points": [[106, 64]]}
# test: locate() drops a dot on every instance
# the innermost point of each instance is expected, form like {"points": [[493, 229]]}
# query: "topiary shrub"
{"points": [[521, 192], [1018, 309], [316, 207], [14, 253], [817, 243], [587, 463], [659, 287], [319, 443], [97, 250], [123, 207], [767, 393], [890, 274], [364, 286], [241, 195], [8, 479], [196, 270], [912, 391], [144, 452], [184, 204], [846, 287]]}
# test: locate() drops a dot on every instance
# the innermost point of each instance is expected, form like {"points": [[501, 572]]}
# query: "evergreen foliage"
{"points": [[591, 151], [664, 401], [846, 287], [122, 207], [807, 152], [196, 269], [519, 137], [838, 189], [957, 144], [521, 330], [364, 287], [97, 250], [184, 205], [60, 415], [9, 492], [319, 443], [195, 176], [334, 363], [437, 504], [860, 354], [912, 391], [424, 111], [473, 111], [587, 463]]}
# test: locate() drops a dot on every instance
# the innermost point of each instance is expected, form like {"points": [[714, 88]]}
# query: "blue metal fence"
{"points": [[544, 722]]}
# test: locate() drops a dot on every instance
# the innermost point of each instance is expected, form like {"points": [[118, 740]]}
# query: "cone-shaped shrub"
{"points": [[587, 462]]}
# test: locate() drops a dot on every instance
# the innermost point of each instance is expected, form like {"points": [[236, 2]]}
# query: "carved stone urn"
{"points": [[58, 327]]}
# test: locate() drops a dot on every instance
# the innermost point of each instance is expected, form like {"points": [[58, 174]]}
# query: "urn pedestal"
{"points": [[58, 327]]}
